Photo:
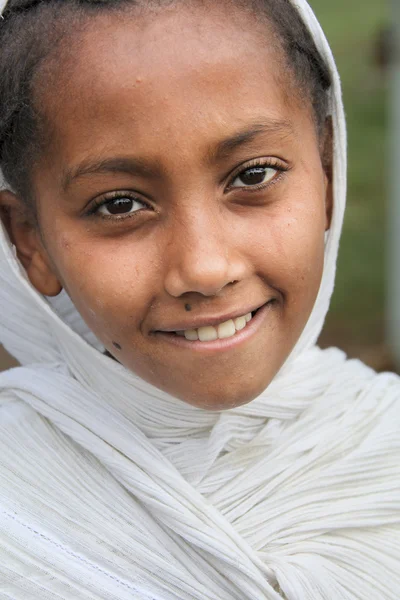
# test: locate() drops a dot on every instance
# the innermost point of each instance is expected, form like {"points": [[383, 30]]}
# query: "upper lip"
{"points": [[204, 321]]}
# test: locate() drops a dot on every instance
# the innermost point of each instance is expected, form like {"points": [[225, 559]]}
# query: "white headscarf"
{"points": [[111, 489]]}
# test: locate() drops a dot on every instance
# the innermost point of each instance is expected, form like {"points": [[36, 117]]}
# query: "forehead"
{"points": [[167, 76]]}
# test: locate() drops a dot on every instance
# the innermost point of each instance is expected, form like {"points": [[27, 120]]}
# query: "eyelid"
{"points": [[271, 162], [93, 207]]}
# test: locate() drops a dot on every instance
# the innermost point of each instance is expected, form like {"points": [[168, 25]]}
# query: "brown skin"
{"points": [[139, 89]]}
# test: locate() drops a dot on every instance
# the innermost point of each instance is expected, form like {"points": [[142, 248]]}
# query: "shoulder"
{"points": [[18, 420], [344, 507], [24, 439], [353, 392]]}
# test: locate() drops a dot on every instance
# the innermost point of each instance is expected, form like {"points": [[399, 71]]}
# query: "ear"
{"points": [[327, 163], [24, 233]]}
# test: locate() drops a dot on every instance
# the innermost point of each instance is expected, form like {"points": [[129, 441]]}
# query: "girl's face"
{"points": [[184, 189]]}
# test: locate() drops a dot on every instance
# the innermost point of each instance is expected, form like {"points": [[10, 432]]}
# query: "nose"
{"points": [[203, 258]]}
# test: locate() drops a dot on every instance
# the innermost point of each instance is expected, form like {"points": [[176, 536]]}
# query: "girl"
{"points": [[174, 187]]}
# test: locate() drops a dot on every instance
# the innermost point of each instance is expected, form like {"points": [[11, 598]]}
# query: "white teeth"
{"points": [[222, 331], [191, 335], [240, 323], [226, 330], [207, 334]]}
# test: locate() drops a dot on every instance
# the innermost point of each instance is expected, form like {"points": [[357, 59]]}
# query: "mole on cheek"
{"points": [[117, 346], [188, 308]]}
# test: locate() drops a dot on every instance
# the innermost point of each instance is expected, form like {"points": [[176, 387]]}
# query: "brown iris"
{"points": [[253, 176], [119, 206]]}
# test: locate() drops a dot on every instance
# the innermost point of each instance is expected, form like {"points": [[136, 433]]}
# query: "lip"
{"points": [[219, 345], [203, 321]]}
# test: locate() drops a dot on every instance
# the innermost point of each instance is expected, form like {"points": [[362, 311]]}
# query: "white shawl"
{"points": [[113, 490]]}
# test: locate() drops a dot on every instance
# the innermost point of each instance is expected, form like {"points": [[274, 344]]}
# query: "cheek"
{"points": [[110, 282], [288, 246]]}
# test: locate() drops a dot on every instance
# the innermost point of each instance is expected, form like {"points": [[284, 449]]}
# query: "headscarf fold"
{"points": [[112, 489]]}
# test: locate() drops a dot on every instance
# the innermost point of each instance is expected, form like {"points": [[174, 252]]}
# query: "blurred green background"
{"points": [[357, 31], [356, 319]]}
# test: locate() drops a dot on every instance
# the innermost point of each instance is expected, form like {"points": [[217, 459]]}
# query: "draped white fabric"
{"points": [[111, 489]]}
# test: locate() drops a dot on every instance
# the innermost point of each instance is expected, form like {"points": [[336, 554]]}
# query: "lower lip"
{"points": [[239, 338]]}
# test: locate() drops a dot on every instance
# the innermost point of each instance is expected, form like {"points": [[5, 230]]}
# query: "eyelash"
{"points": [[256, 163], [270, 163], [112, 197]]}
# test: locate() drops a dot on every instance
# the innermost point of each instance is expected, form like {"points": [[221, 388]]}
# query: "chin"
{"points": [[223, 398]]}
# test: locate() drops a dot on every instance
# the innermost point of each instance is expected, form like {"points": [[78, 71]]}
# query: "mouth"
{"points": [[219, 334], [220, 331]]}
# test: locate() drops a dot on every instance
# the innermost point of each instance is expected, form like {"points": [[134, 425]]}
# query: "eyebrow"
{"points": [[271, 127], [123, 164], [143, 168]]}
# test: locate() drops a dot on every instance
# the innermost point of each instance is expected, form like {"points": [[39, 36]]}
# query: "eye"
{"points": [[120, 206], [256, 175]]}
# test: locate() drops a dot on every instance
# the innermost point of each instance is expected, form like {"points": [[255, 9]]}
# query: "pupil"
{"points": [[253, 176], [120, 206]]}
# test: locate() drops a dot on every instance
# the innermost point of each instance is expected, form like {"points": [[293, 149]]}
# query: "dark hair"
{"points": [[31, 29]]}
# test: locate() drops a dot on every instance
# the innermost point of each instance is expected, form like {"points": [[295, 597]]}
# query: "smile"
{"points": [[222, 331], [220, 336]]}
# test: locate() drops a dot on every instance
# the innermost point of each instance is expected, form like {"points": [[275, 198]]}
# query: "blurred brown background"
{"points": [[5, 360]]}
